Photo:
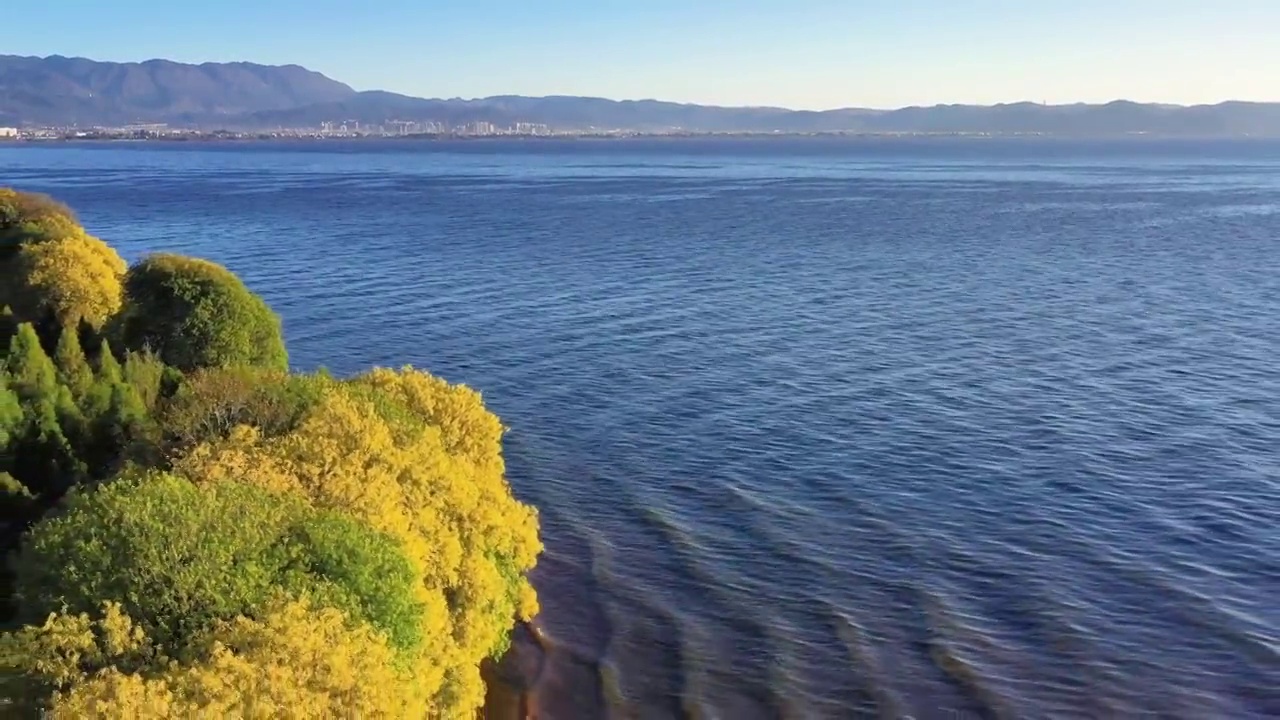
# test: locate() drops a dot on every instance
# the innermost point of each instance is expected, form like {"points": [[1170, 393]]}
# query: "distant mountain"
{"points": [[243, 96], [580, 113], [64, 91], [564, 112]]}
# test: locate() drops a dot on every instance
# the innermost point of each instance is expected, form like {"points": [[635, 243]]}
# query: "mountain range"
{"points": [[62, 91]]}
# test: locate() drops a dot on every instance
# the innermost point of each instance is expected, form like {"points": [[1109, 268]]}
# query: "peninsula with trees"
{"points": [[195, 531]]}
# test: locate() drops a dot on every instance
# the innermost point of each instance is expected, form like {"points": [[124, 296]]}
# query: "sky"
{"points": [[811, 54]]}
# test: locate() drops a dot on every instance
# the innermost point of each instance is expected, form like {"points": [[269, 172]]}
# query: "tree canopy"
{"points": [[178, 557], [51, 268], [294, 661], [195, 314], [73, 279]]}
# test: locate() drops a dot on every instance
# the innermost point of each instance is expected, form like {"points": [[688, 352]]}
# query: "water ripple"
{"points": [[817, 429]]}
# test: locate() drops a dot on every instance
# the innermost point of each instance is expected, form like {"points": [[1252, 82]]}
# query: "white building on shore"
{"points": [[8, 132]]}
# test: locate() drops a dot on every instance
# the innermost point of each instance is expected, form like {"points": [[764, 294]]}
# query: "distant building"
{"points": [[8, 132]]}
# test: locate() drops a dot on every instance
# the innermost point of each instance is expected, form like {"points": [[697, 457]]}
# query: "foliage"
{"points": [[179, 557], [15, 498], [212, 403], [295, 661], [31, 217], [204, 534], [73, 279], [72, 366], [195, 314], [50, 267], [62, 422], [150, 378], [31, 372], [392, 449], [10, 410]]}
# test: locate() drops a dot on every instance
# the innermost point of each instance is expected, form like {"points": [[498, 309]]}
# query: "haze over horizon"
{"points": [[805, 54]]}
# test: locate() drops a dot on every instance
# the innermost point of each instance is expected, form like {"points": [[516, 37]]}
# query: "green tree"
{"points": [[179, 557], [109, 370], [43, 459], [31, 371], [10, 415], [15, 499], [73, 367], [211, 403], [195, 314], [149, 377], [116, 433]]}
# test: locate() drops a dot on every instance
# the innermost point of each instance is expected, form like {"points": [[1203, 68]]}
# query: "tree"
{"points": [[32, 374], [109, 370], [10, 414], [49, 266], [42, 457], [178, 558], [211, 403], [387, 449], [293, 661], [73, 368], [195, 314], [15, 499], [149, 377], [31, 217], [72, 279]]}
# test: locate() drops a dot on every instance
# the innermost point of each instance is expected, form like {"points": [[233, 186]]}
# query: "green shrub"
{"points": [[209, 404], [178, 557], [196, 314]]}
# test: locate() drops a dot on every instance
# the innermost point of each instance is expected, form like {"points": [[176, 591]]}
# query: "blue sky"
{"points": [[794, 53]]}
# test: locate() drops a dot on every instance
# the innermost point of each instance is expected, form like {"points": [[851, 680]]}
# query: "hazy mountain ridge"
{"points": [[74, 91], [1120, 117], [59, 90]]}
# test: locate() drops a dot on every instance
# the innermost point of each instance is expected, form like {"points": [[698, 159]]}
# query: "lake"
{"points": [[818, 428]]}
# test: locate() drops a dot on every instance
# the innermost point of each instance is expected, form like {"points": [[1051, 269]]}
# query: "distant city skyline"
{"points": [[802, 54]]}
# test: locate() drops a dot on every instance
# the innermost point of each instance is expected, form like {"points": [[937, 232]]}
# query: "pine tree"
{"points": [[144, 372], [16, 500], [33, 373], [108, 367], [10, 417], [73, 368], [43, 458]]}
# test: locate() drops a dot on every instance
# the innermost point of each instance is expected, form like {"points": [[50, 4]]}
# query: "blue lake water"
{"points": [[817, 428]]}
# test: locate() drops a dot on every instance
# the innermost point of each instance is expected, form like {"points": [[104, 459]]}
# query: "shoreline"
{"points": [[511, 683]]}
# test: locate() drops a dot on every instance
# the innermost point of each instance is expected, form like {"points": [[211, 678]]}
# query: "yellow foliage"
{"points": [[62, 650], [31, 217], [421, 460], [76, 277], [296, 662]]}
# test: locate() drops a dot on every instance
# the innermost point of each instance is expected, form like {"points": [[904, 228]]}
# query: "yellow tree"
{"points": [[418, 459], [293, 662], [32, 217], [49, 265], [73, 278]]}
